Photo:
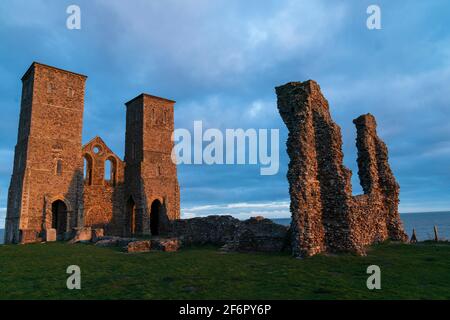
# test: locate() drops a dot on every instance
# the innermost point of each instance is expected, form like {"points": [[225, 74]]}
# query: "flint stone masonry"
{"points": [[325, 215], [29, 236], [57, 183], [166, 244], [259, 234], [214, 230], [139, 246], [255, 234]]}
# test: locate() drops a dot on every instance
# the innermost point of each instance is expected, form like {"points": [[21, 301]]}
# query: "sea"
{"points": [[423, 222]]}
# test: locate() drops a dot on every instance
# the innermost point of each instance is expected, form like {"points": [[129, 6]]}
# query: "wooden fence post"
{"points": [[413, 237]]}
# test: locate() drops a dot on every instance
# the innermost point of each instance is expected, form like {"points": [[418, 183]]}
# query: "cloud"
{"points": [[6, 161], [221, 41], [242, 210], [2, 217], [221, 61]]}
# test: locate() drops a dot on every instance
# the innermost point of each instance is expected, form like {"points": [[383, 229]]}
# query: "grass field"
{"points": [[38, 271]]}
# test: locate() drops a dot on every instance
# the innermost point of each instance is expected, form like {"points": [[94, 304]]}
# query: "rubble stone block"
{"points": [[97, 234], [166, 245], [82, 234], [138, 246], [50, 235]]}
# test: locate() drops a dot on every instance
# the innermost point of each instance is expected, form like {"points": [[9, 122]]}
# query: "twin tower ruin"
{"points": [[326, 217], [59, 185]]}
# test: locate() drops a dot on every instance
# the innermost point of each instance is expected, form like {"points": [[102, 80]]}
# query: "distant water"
{"points": [[2, 232], [422, 222]]}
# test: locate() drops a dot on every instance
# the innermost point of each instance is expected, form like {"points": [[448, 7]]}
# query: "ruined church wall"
{"points": [[254, 234], [48, 162], [377, 177], [304, 187], [367, 221], [320, 185], [104, 200], [333, 176], [104, 208]]}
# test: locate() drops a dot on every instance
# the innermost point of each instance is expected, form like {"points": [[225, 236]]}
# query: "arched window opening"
{"points": [[59, 217], [155, 217], [108, 168], [59, 167], [110, 171], [87, 170]]}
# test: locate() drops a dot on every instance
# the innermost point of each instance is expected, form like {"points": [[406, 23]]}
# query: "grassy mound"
{"points": [[39, 272]]}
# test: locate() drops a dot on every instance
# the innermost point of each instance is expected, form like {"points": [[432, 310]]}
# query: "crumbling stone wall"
{"points": [[376, 175], [254, 234], [325, 215], [214, 230]]}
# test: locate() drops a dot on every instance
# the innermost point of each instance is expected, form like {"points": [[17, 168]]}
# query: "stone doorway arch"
{"points": [[59, 217], [155, 215]]}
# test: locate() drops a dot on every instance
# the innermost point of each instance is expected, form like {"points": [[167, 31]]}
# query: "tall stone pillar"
{"points": [[376, 175], [320, 187]]}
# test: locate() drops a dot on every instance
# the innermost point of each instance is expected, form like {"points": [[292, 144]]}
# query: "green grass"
{"points": [[39, 272]]}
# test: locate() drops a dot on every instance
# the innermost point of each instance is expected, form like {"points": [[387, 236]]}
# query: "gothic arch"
{"points": [[49, 201], [61, 198], [113, 169], [88, 169]]}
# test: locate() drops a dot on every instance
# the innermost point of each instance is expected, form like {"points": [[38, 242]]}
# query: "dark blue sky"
{"points": [[221, 59]]}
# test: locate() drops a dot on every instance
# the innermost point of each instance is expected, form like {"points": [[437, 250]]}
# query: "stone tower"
{"points": [[47, 180], [151, 186]]}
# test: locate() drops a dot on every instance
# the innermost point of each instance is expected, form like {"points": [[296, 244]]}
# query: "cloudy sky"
{"points": [[221, 59]]}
